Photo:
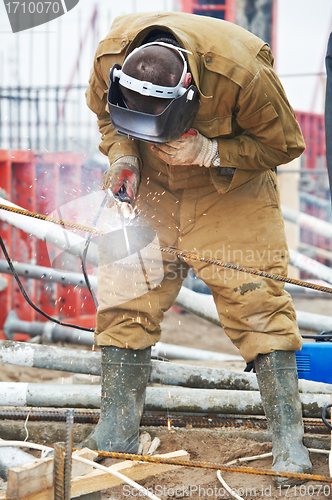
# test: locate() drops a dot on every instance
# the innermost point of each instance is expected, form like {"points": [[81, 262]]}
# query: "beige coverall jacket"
{"points": [[236, 218]]}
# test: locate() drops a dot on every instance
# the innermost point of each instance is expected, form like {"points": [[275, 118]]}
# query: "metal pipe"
{"points": [[46, 231], [316, 200], [48, 274], [167, 373], [311, 266], [180, 352], [201, 305], [48, 331], [217, 378], [313, 322], [157, 399], [295, 289], [50, 357], [307, 221]]}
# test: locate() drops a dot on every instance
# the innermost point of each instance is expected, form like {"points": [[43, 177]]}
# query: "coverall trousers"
{"points": [[243, 226]]}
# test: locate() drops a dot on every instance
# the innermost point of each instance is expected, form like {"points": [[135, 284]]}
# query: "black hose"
{"points": [[36, 308], [85, 251]]}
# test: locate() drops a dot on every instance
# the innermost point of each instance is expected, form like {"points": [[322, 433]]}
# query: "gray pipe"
{"points": [[316, 200], [167, 373], [295, 289], [307, 221], [157, 399], [50, 357], [57, 236], [311, 266], [199, 304], [202, 306], [313, 322], [180, 352], [48, 331], [48, 274]]}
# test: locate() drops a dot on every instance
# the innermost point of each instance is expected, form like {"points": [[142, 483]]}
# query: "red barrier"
{"points": [[43, 183], [313, 130], [220, 9]]}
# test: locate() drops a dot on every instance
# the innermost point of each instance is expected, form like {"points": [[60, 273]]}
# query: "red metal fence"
{"points": [[313, 130], [40, 183], [221, 9]]}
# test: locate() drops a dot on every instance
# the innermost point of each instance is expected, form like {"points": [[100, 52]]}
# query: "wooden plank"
{"points": [[30, 478], [37, 476], [80, 469], [98, 480]]}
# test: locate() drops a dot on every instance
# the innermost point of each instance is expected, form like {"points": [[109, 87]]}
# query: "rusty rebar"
{"points": [[59, 480], [194, 421], [213, 465], [68, 452]]}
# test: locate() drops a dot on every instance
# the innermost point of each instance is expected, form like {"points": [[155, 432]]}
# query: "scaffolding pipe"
{"points": [[177, 399], [295, 289], [201, 305], [166, 373], [307, 221], [48, 274], [316, 200], [50, 357], [49, 232], [311, 266], [47, 331], [173, 351], [313, 322], [216, 378]]}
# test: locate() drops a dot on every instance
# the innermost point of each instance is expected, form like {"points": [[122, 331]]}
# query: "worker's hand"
{"points": [[192, 148], [121, 180]]}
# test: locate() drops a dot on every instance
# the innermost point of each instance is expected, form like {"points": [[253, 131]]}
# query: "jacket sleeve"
{"points": [[270, 134], [113, 144]]}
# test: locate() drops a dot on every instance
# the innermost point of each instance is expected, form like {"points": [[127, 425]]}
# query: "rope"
{"points": [[173, 251]]}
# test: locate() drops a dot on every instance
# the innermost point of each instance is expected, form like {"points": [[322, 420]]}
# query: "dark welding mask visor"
{"points": [[172, 123]]}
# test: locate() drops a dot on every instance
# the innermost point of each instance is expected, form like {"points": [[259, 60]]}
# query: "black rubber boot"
{"points": [[124, 377], [278, 384]]}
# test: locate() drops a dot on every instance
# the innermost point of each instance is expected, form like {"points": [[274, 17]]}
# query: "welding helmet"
{"points": [[175, 119]]}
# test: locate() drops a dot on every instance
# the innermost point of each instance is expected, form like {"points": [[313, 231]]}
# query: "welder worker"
{"points": [[194, 122]]}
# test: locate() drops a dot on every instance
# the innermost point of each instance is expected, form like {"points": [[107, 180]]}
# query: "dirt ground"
{"points": [[212, 445]]}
